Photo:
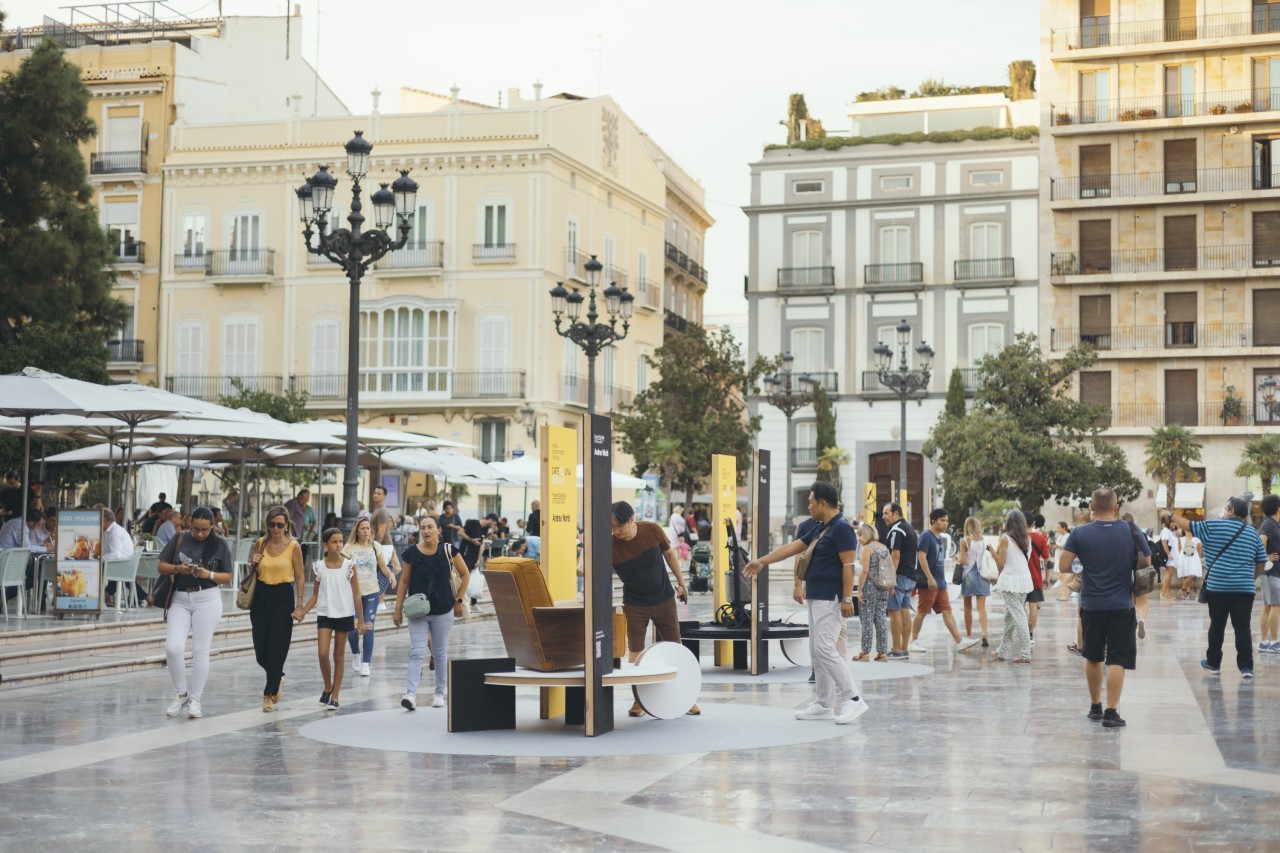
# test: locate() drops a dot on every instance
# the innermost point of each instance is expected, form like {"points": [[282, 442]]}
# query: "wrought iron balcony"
{"points": [[1176, 259], [1192, 414], [1180, 335], [117, 162], [699, 271], [1237, 179], [984, 269], [612, 396], [190, 262], [493, 251], [573, 388], [427, 254], [677, 257], [240, 262], [806, 278], [1156, 31], [674, 321], [131, 252], [908, 273], [805, 457], [617, 275], [487, 384], [216, 387], [125, 351], [1226, 103]]}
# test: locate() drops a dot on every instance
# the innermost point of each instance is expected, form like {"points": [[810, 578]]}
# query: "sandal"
{"points": [[998, 656], [635, 710], [861, 656], [882, 657], [1074, 649]]}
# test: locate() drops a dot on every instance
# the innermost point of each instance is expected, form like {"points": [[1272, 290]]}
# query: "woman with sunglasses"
{"points": [[277, 558], [198, 562]]}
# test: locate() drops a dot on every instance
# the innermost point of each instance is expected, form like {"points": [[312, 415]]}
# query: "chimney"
{"points": [[297, 10], [375, 95], [537, 90], [453, 94]]}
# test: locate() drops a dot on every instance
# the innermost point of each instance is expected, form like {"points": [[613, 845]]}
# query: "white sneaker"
{"points": [[364, 670], [437, 701], [409, 702], [816, 712], [355, 664], [193, 710], [852, 711], [968, 643], [179, 702], [917, 647]]}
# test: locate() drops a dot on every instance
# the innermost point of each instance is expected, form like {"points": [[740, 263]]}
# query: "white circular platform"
{"points": [[784, 674], [668, 700], [723, 726]]}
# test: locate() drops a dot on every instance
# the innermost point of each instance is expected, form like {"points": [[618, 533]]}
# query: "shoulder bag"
{"points": [[988, 571], [957, 574], [802, 561], [244, 594], [162, 595], [1144, 576], [1203, 597], [455, 582], [883, 574]]}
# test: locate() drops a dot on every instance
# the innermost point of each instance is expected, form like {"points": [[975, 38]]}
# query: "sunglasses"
{"points": [[276, 525], [200, 530]]}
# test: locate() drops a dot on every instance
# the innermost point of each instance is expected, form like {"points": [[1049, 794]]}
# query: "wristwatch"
{"points": [[848, 599], [459, 600]]}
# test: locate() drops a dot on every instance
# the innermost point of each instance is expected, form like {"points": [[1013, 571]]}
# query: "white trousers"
{"points": [[832, 681], [196, 614]]}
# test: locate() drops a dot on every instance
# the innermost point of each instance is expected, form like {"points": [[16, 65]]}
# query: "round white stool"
{"points": [[669, 699]]}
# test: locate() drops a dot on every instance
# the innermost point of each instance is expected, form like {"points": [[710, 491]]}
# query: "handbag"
{"points": [[416, 606], [1144, 577], [164, 587], [802, 561], [455, 582], [989, 571], [957, 575], [244, 594], [1203, 597]]}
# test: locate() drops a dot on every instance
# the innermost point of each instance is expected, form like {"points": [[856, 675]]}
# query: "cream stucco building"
{"points": [[456, 329], [1160, 240]]}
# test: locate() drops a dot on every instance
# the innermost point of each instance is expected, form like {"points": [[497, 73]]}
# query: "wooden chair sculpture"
{"points": [[537, 634]]}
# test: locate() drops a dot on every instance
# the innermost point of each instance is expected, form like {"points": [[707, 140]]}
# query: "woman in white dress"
{"points": [[1190, 562], [1012, 557], [1169, 542]]}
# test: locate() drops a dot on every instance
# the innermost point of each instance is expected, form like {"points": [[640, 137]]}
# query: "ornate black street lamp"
{"points": [[784, 397], [592, 336], [355, 250], [905, 381]]}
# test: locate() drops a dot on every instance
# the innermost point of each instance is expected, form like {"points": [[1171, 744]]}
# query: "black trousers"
{"points": [[1238, 606], [272, 617]]}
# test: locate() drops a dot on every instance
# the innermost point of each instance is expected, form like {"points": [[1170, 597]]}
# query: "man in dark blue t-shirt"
{"points": [[828, 590], [1108, 549], [933, 595]]}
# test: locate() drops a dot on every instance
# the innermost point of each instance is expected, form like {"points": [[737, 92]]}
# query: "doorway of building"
{"points": [[884, 471]]}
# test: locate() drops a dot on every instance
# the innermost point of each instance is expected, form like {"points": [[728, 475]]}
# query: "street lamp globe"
{"points": [[308, 207], [884, 355], [322, 186], [384, 207], [559, 294], [613, 298], [787, 360], [406, 193], [358, 150], [592, 268], [904, 333], [926, 355], [575, 301], [628, 304]]}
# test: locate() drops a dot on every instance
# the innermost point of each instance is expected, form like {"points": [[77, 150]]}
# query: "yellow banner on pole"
{"points": [[724, 504], [869, 508], [560, 511]]}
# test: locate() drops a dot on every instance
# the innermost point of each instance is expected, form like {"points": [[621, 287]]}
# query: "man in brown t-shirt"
{"points": [[640, 549]]}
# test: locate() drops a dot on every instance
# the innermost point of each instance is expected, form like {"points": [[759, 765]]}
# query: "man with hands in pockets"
{"points": [[828, 592]]}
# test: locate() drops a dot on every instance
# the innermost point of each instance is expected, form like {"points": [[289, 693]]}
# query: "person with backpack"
{"points": [[973, 586], [875, 585]]}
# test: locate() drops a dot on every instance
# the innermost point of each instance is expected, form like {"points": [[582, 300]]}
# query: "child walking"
{"points": [[334, 597]]}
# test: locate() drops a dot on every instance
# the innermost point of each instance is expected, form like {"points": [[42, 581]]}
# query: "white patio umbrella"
{"points": [[527, 470]]}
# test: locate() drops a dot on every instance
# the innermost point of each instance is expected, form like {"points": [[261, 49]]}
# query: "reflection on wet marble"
{"points": [[973, 755]]}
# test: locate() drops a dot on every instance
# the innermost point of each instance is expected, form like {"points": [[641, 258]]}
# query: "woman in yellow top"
{"points": [[278, 559]]}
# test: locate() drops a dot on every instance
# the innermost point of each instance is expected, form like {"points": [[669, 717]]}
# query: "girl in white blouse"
{"points": [[1012, 557], [334, 599]]}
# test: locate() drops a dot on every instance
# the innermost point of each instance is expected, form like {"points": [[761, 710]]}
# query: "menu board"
{"points": [[79, 554]]}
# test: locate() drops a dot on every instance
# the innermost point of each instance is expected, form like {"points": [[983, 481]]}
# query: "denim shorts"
{"points": [[1270, 590], [974, 584], [901, 598]]}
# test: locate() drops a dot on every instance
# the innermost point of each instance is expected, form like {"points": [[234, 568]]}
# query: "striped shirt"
{"points": [[1230, 570]]}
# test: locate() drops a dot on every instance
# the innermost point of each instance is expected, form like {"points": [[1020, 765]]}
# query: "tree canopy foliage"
{"points": [[1026, 438], [1170, 451], [696, 408], [290, 407]]}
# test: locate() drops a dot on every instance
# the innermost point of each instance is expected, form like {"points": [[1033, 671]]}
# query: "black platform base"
{"points": [[475, 706]]}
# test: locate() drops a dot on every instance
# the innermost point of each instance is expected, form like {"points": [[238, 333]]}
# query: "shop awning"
{"points": [[1187, 496]]}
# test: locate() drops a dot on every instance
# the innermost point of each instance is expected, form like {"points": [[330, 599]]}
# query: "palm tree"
{"points": [[1261, 458], [1170, 449], [829, 462]]}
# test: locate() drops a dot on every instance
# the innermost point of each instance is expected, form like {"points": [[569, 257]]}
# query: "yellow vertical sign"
{"points": [[869, 508], [559, 532], [724, 503]]}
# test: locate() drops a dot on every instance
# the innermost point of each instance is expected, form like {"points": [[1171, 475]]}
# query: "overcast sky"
{"points": [[708, 79]]}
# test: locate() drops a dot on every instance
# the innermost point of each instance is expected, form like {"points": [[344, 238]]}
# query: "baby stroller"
{"points": [[700, 567]]}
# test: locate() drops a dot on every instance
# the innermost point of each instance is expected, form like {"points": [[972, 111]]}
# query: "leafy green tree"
{"points": [[1261, 459], [1026, 438], [825, 414], [697, 406], [290, 407], [1170, 451], [829, 461], [955, 406]]}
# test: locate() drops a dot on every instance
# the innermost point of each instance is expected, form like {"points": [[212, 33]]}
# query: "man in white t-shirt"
{"points": [[1168, 541]]}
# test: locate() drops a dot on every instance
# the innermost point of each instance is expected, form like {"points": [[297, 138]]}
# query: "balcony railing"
{"points": [[493, 251], [1233, 103], [908, 273], [189, 262], [124, 351], [573, 388], [233, 262], [674, 321], [320, 386], [216, 387], [1139, 184], [806, 278], [575, 263], [1177, 259], [1129, 33], [984, 269], [1146, 415], [677, 257], [487, 384], [648, 294], [617, 275], [1165, 336], [972, 377], [828, 379], [699, 271], [805, 457], [427, 254], [130, 253], [117, 162], [611, 396]]}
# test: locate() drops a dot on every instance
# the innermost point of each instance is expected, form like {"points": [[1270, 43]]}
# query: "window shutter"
{"points": [[1180, 242], [1095, 321], [1266, 238], [1266, 318], [1095, 245], [1179, 165], [1180, 307], [1095, 387]]}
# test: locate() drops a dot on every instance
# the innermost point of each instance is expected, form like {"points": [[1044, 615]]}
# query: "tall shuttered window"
{"points": [[1179, 166], [1095, 171], [1179, 20], [1095, 246], [1266, 238], [1180, 319], [1181, 398], [1266, 318], [1095, 321], [1095, 23], [1180, 243]]}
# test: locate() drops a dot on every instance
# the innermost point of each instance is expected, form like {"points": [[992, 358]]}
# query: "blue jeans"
{"points": [[369, 604]]}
